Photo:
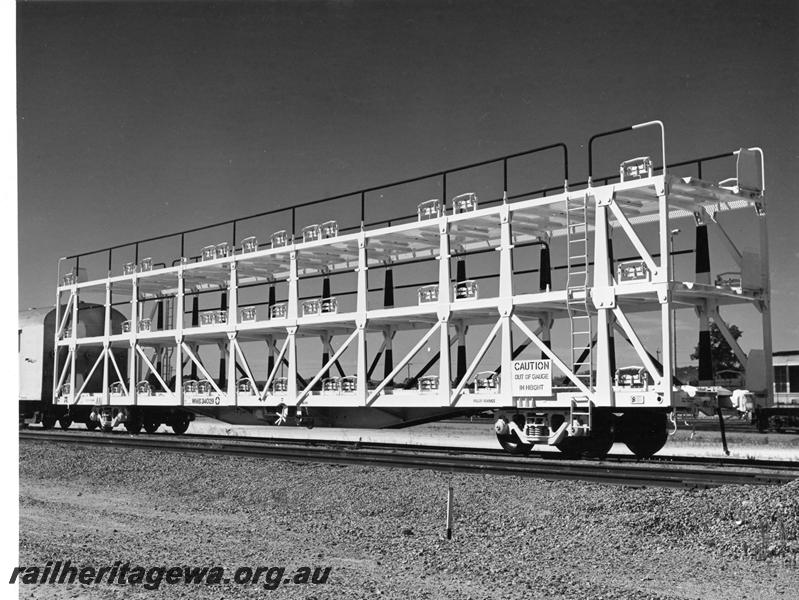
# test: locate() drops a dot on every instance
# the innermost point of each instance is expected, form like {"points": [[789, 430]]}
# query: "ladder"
{"points": [[577, 296]]}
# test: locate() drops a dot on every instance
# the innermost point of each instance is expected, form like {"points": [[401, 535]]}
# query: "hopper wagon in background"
{"points": [[353, 312]]}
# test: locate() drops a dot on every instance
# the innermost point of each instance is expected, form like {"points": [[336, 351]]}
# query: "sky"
{"points": [[139, 119]]}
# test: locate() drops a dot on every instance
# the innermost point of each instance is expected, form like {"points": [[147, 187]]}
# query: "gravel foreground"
{"points": [[382, 530]]}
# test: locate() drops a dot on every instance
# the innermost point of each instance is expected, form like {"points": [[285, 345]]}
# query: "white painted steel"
{"points": [[624, 205]]}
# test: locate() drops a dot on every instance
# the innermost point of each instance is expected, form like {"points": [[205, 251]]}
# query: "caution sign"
{"points": [[531, 377]]}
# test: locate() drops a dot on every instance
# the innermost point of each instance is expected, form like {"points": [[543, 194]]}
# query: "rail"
{"points": [[448, 459]]}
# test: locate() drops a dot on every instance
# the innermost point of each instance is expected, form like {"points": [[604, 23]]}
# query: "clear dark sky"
{"points": [[139, 119]]}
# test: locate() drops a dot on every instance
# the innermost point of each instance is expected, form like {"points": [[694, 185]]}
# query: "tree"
{"points": [[723, 357]]}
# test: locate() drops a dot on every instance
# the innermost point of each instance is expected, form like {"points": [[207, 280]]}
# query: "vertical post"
{"points": [[611, 317], [223, 305], [179, 299], [544, 269], [765, 303], [270, 360], [232, 319], [363, 207], [134, 327], [182, 245], [360, 321], [444, 379], [664, 283], [702, 275], [505, 303], [291, 313], [56, 349], [106, 342], [325, 337], [195, 321], [460, 361], [602, 281], [73, 341], [721, 426], [388, 301], [449, 512], [291, 375], [460, 370], [159, 325]]}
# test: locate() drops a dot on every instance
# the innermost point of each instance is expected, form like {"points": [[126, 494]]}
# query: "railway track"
{"points": [[689, 472]]}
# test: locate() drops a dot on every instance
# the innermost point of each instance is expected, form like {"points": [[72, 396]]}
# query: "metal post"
{"points": [[363, 207], [544, 269], [222, 358], [444, 376], [195, 321], [702, 275], [611, 317], [270, 360], [388, 301], [721, 427], [360, 321], [449, 512], [460, 328], [672, 235], [179, 299]]}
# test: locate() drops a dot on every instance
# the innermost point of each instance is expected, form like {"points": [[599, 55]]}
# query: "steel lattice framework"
{"points": [[598, 299]]}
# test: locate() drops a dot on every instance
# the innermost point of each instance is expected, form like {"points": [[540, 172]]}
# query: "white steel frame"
{"points": [[657, 198]]}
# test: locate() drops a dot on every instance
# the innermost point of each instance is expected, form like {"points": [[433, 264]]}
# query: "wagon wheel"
{"points": [[133, 423], [180, 423], [645, 433], [603, 433], [510, 443]]}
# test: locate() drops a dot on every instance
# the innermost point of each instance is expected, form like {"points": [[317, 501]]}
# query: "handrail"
{"points": [[362, 192], [622, 130], [443, 174]]}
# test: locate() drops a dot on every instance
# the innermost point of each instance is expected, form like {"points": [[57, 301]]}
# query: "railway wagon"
{"points": [[784, 412], [36, 333], [252, 323]]}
